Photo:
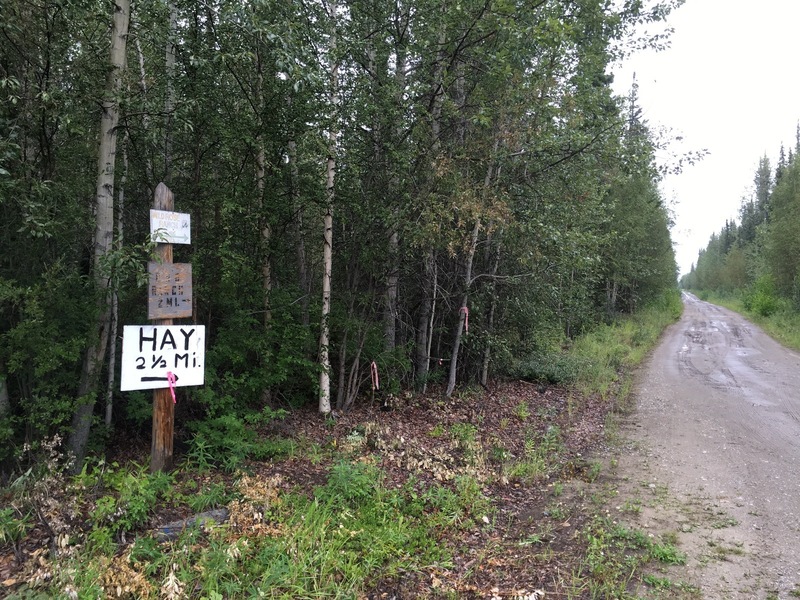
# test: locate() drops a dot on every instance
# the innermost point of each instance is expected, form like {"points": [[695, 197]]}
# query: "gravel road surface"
{"points": [[716, 453]]}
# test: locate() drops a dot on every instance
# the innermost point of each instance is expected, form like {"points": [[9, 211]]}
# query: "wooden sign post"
{"points": [[162, 356], [163, 406]]}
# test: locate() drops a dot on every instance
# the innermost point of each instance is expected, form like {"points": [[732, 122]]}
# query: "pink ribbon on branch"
{"points": [[373, 371], [465, 310]]}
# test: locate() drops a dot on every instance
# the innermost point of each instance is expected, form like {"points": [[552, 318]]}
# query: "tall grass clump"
{"points": [[595, 360]]}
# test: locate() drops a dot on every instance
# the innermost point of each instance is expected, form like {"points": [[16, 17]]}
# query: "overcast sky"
{"points": [[727, 84]]}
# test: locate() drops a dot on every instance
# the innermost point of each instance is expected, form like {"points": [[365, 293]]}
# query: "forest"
{"points": [[449, 191], [754, 259]]}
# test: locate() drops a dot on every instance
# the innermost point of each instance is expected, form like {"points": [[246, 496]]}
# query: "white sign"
{"points": [[168, 227], [151, 352]]}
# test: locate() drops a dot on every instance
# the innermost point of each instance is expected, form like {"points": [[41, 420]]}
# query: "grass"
{"points": [[724, 523], [328, 544], [338, 538], [600, 361], [632, 506], [617, 557], [611, 350], [540, 456]]}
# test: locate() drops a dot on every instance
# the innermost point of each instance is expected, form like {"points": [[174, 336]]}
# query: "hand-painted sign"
{"points": [[167, 227], [169, 294], [150, 352]]}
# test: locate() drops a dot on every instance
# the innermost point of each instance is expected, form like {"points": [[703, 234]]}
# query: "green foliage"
{"points": [[40, 345], [615, 553], [541, 452], [661, 583], [555, 368], [225, 441], [147, 551], [522, 411], [762, 298], [667, 553], [100, 541], [525, 146], [471, 498], [211, 496], [460, 507], [350, 484], [139, 409], [331, 546], [13, 525], [228, 440], [595, 360], [135, 496], [464, 434]]}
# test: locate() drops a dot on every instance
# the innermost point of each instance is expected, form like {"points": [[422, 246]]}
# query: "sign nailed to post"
{"points": [[169, 295], [167, 227], [150, 352]]}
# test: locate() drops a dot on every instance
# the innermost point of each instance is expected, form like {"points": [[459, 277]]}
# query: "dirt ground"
{"points": [[706, 454], [712, 453]]}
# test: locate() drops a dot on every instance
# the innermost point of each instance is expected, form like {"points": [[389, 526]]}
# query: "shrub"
{"points": [[762, 298], [137, 494], [225, 441], [555, 368]]}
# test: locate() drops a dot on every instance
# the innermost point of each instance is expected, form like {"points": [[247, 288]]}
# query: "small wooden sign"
{"points": [[168, 227], [169, 293]]}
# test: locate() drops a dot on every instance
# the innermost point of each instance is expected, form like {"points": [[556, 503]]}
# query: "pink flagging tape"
{"points": [[373, 370], [171, 381]]}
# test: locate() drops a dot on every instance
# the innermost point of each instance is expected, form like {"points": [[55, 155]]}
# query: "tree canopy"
{"points": [[757, 257], [481, 192]]}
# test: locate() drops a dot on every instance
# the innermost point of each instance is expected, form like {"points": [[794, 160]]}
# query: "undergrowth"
{"points": [[341, 537], [595, 361]]}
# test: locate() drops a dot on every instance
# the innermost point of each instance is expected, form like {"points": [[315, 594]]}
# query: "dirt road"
{"points": [[715, 457]]}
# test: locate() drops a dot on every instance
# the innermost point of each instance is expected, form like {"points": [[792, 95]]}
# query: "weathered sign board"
{"points": [[169, 294], [168, 227], [150, 352]]}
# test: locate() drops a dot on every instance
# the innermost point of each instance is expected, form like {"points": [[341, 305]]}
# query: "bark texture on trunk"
{"points": [[103, 235], [463, 308], [112, 332], [161, 445], [422, 354], [327, 245]]}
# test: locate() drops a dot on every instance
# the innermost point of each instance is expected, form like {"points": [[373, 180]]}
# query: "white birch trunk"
{"points": [[103, 235], [112, 332], [327, 249]]}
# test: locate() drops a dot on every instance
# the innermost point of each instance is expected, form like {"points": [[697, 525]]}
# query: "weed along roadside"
{"points": [[498, 493]]}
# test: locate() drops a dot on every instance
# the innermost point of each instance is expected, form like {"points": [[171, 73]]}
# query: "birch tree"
{"points": [[327, 221], [103, 233]]}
